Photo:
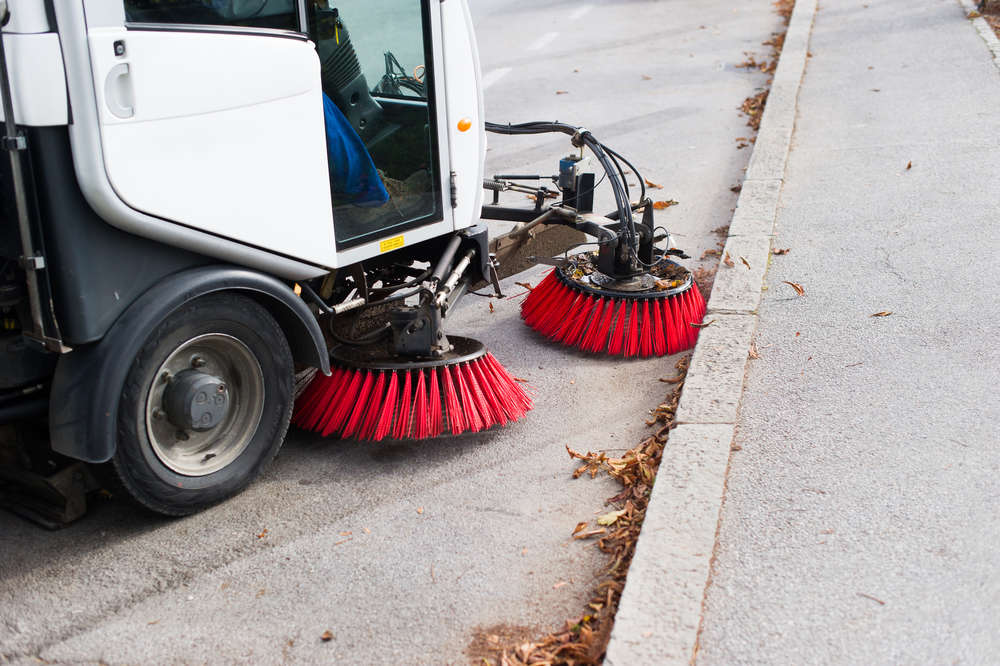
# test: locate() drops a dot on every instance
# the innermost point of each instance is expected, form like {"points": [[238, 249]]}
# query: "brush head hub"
{"points": [[196, 401], [382, 356], [643, 282]]}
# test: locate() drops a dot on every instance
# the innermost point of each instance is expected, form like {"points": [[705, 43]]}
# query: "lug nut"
{"points": [[222, 388]]}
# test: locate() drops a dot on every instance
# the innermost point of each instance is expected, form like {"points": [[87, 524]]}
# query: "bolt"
{"points": [[158, 413], [198, 362], [222, 388], [166, 377]]}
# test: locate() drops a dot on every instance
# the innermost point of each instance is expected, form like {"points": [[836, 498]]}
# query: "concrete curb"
{"points": [[659, 615], [984, 30]]}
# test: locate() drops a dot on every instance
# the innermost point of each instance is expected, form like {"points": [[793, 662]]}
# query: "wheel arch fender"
{"points": [[86, 387]]}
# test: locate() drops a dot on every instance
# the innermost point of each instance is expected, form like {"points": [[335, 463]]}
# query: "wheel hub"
{"points": [[196, 401], [204, 404]]}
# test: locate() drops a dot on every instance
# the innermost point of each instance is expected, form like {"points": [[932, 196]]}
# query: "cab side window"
{"points": [[274, 14]]}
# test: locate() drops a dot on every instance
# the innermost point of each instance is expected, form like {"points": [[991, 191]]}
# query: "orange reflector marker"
{"points": [[297, 289], [464, 125]]}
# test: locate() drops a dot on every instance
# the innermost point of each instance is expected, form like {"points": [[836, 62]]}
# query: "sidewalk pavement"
{"points": [[859, 523]]}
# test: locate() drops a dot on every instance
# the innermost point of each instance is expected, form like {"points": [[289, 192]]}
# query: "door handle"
{"points": [[113, 91]]}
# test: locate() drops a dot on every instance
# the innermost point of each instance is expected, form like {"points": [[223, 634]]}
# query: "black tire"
{"points": [[144, 470]]}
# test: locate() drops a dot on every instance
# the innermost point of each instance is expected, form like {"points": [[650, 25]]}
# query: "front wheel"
{"points": [[205, 406]]}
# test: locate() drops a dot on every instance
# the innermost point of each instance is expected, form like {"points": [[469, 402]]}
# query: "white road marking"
{"points": [[492, 77], [580, 12], [543, 41]]}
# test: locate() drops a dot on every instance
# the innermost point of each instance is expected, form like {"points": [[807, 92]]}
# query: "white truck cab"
{"points": [[182, 175]]}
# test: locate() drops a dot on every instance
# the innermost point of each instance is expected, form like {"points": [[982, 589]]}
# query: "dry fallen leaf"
{"points": [[327, 636], [909, 165], [661, 205], [651, 184], [785, 250], [668, 284], [728, 261], [875, 599], [610, 518], [647, 78], [745, 262], [345, 533], [492, 309], [590, 533], [559, 584], [974, 14], [703, 325], [518, 379], [262, 534], [420, 509], [753, 350], [671, 380], [562, 92], [526, 285], [884, 313], [796, 286], [579, 528]]}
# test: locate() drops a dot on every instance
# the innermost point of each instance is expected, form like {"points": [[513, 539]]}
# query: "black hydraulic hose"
{"points": [[642, 181], [405, 285], [585, 138], [366, 339], [444, 263], [621, 172]]}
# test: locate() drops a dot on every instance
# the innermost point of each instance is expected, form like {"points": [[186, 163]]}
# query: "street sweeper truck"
{"points": [[202, 199]]}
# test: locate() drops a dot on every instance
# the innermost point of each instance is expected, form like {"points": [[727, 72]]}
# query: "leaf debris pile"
{"points": [[584, 640], [668, 274], [753, 106], [990, 11]]}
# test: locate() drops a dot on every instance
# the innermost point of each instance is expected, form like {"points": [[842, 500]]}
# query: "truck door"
{"points": [[211, 116], [381, 65]]}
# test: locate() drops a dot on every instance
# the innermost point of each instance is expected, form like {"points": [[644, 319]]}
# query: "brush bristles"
{"points": [[411, 404], [617, 326]]}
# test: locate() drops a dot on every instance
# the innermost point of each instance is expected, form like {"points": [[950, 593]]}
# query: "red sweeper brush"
{"points": [[372, 396], [579, 307]]}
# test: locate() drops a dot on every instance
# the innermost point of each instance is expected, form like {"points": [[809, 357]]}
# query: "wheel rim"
{"points": [[193, 453]]}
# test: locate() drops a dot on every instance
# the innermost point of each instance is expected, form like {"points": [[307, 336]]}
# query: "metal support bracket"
{"points": [[35, 263], [15, 142]]}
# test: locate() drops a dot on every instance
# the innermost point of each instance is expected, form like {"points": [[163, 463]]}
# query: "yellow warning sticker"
{"points": [[390, 244]]}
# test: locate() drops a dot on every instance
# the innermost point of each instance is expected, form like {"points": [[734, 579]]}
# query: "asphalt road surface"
{"points": [[404, 551]]}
